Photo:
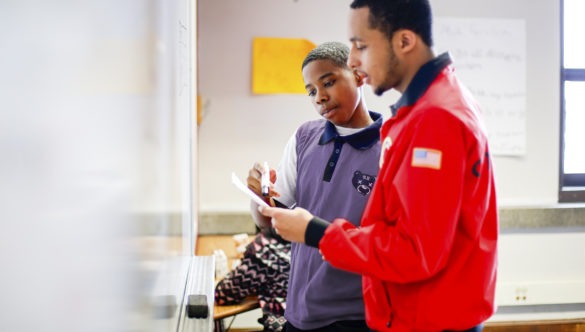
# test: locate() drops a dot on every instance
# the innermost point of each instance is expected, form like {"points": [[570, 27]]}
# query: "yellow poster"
{"points": [[276, 65]]}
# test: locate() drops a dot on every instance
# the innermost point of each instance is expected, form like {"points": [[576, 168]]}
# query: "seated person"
{"points": [[263, 271]]}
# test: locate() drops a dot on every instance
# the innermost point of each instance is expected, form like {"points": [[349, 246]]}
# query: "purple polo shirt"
{"points": [[335, 175]]}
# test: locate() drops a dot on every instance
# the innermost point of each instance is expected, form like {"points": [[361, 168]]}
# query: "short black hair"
{"points": [[335, 52], [389, 16]]}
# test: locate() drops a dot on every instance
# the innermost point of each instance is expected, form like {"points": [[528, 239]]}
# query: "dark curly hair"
{"points": [[335, 52], [389, 16]]}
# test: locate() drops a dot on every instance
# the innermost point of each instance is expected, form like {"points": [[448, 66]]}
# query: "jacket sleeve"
{"points": [[409, 234]]}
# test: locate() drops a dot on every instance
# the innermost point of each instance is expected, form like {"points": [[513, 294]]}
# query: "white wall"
{"points": [[239, 128], [541, 268]]}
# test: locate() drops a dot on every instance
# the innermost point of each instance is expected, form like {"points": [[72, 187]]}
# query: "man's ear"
{"points": [[404, 40]]}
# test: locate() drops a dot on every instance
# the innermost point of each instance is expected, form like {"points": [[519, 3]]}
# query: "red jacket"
{"points": [[427, 243]]}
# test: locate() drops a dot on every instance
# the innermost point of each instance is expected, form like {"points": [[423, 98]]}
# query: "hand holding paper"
{"points": [[289, 224], [240, 185]]}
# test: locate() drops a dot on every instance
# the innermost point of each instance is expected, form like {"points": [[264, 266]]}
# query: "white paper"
{"points": [[236, 181], [484, 50]]}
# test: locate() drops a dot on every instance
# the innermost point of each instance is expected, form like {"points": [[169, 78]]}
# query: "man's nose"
{"points": [[353, 60]]}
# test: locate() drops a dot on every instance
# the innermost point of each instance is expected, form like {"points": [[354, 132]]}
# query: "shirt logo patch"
{"points": [[363, 183], [429, 158], [385, 147]]}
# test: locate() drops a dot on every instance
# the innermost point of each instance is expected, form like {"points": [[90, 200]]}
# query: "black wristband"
{"points": [[315, 231]]}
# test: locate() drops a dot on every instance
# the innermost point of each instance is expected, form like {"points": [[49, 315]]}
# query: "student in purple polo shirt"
{"points": [[328, 167]]}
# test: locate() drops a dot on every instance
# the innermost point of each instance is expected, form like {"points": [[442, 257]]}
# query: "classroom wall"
{"points": [[239, 128]]}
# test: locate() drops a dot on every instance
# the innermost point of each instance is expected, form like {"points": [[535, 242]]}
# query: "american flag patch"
{"points": [[423, 157]]}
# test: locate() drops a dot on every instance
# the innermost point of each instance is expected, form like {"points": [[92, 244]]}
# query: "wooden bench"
{"points": [[206, 244], [224, 311]]}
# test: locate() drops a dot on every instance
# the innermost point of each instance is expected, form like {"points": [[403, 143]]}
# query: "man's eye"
{"points": [[311, 93]]}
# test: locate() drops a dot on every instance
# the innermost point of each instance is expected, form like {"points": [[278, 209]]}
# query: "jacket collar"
{"points": [[421, 81], [361, 140]]}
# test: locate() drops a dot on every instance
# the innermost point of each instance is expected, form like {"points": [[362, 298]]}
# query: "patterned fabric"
{"points": [[272, 322], [263, 271]]}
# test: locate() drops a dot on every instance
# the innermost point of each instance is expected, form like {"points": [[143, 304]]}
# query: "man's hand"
{"points": [[290, 224]]}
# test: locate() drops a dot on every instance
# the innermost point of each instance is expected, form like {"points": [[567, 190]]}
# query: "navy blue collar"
{"points": [[361, 140], [421, 81]]}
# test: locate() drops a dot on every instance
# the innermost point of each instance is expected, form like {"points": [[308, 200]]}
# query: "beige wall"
{"points": [[239, 128]]}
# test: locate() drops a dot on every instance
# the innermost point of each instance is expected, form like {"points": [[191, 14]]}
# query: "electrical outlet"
{"points": [[521, 294], [541, 292]]}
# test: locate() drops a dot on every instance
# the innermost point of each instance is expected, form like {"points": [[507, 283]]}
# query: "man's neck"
{"points": [[420, 58]]}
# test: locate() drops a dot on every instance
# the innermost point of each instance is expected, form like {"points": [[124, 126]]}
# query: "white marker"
{"points": [[265, 180]]}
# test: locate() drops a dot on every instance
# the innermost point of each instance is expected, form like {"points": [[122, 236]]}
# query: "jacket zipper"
{"points": [[391, 314]]}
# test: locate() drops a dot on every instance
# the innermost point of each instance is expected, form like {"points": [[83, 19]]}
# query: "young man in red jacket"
{"points": [[427, 243]]}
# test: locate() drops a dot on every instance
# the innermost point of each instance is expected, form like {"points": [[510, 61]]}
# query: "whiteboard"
{"points": [[95, 141], [489, 57]]}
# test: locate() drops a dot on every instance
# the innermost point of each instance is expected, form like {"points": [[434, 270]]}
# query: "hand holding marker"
{"points": [[265, 180]]}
